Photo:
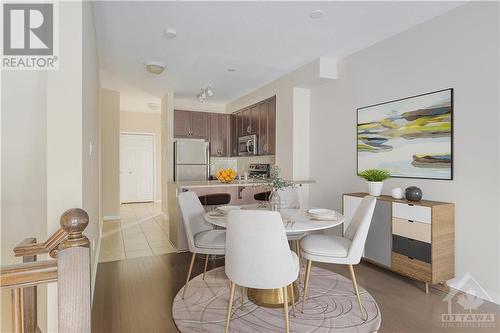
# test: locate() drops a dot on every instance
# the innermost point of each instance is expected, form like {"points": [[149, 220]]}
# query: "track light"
{"points": [[205, 93]]}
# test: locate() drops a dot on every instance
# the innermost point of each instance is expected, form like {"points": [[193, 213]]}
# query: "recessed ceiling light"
{"points": [[231, 69], [316, 14], [154, 67], [170, 33]]}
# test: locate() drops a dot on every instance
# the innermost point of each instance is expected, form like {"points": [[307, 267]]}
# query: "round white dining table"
{"points": [[296, 221]]}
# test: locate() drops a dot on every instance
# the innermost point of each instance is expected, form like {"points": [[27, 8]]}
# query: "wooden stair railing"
{"points": [[71, 271]]}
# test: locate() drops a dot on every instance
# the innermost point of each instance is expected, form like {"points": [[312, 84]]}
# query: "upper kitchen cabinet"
{"points": [[234, 133], [219, 134], [267, 128], [250, 120], [190, 124]]}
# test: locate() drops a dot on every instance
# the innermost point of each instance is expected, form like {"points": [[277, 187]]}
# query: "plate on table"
{"points": [[321, 214]]}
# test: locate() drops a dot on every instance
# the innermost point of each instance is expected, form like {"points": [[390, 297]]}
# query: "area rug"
{"points": [[331, 306]]}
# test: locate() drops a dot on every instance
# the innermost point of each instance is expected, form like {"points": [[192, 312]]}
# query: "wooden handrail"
{"points": [[28, 274], [71, 271], [27, 248]]}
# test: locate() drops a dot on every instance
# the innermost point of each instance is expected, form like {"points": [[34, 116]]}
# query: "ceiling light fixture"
{"points": [[205, 93], [154, 67], [231, 69], [316, 14], [170, 33]]}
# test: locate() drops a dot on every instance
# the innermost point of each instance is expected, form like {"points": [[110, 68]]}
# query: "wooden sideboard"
{"points": [[415, 239]]}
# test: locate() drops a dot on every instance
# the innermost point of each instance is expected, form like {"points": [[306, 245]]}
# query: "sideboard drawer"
{"points": [[411, 248], [411, 212], [413, 268], [411, 229]]}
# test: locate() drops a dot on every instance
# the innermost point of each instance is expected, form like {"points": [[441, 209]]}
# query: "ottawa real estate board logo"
{"points": [[29, 36]]}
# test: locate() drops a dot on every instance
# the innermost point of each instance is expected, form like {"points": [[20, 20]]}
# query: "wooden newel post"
{"points": [[74, 274]]}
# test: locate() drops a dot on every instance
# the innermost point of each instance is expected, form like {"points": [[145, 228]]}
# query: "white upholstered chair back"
{"points": [[192, 214], [359, 227], [257, 250]]}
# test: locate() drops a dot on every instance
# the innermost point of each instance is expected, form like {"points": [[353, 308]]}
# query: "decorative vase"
{"points": [[275, 200], [375, 188], [413, 193], [397, 193]]}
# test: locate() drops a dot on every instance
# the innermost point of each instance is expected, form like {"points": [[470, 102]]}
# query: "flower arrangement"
{"points": [[276, 182]]}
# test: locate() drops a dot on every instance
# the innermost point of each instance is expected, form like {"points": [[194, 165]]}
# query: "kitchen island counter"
{"points": [[216, 183]]}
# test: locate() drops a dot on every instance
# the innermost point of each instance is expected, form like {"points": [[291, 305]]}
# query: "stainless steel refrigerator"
{"points": [[191, 160]]}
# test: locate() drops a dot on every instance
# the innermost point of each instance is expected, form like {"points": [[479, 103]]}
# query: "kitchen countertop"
{"points": [[216, 183]]}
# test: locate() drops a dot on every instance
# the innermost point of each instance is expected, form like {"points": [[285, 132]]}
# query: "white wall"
{"points": [[110, 131], [49, 118], [23, 168], [458, 50], [91, 152]]}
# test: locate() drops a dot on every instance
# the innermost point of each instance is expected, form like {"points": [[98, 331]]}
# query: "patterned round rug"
{"points": [[331, 306]]}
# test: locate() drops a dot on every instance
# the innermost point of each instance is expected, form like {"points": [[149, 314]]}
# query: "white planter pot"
{"points": [[375, 188]]}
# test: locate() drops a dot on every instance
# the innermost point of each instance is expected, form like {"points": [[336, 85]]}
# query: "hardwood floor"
{"points": [[136, 295]]}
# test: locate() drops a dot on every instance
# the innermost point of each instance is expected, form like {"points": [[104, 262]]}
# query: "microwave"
{"points": [[247, 145]]}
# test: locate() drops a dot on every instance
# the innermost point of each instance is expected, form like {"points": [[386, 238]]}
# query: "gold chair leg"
{"points": [[242, 297], [364, 315], [306, 283], [189, 275], [297, 250], [293, 300], [229, 308], [205, 269], [285, 299]]}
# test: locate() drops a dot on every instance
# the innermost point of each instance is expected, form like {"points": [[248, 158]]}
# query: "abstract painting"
{"points": [[410, 137]]}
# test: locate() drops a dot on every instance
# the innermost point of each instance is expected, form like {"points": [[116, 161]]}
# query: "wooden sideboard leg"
{"points": [[426, 288]]}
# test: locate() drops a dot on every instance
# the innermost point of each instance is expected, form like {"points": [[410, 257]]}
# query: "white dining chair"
{"points": [[258, 255], [201, 237], [345, 250]]}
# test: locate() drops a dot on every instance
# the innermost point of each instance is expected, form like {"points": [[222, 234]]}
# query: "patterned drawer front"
{"points": [[411, 212], [413, 268], [411, 248], [411, 229]]}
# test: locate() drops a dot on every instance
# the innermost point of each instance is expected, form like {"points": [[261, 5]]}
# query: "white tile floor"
{"points": [[140, 232]]}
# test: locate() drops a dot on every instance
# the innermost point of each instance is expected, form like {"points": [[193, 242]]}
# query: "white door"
{"points": [[136, 167]]}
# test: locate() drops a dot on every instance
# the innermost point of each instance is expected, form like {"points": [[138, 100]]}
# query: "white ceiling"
{"points": [[261, 40]]}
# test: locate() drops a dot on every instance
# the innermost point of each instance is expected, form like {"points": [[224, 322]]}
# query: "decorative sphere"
{"points": [[413, 193]]}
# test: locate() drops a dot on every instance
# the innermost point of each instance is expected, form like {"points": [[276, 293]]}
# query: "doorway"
{"points": [[137, 167]]}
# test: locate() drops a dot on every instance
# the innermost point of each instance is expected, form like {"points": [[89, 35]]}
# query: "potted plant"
{"points": [[375, 179], [277, 183]]}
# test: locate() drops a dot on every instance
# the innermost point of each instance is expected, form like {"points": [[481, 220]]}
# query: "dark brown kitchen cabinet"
{"points": [[245, 122], [182, 123], [267, 128], [250, 120], [234, 133], [219, 134], [190, 124]]}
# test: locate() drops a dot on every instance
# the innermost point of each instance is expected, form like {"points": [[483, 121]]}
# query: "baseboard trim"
{"points": [[111, 217]]}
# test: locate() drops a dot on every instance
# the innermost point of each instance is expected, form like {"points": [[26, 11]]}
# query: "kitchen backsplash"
{"points": [[240, 164]]}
